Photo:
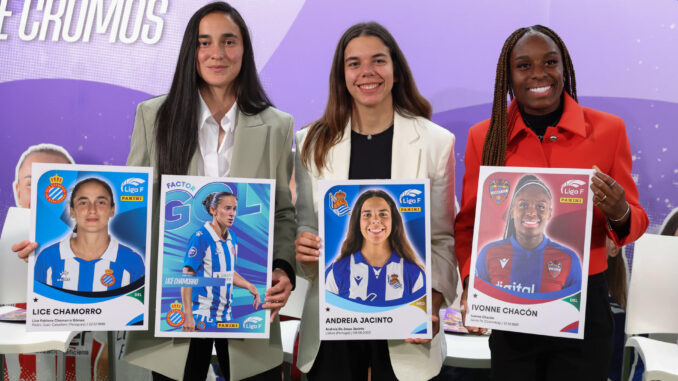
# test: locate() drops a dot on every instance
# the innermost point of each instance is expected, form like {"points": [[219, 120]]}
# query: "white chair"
{"points": [[653, 306]]}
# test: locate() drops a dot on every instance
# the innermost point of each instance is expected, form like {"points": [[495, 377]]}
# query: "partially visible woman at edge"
{"points": [[544, 126], [214, 122], [376, 125]]}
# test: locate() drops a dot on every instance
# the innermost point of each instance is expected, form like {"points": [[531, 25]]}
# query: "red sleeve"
{"points": [[463, 225], [621, 172]]}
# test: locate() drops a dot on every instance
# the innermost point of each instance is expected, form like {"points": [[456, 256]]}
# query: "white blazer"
{"points": [[421, 149]]}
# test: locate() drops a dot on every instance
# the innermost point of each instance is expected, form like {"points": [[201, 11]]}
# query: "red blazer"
{"points": [[583, 138]]}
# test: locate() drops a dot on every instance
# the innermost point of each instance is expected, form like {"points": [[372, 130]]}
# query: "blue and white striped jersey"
{"points": [[58, 266], [210, 257], [353, 278]]}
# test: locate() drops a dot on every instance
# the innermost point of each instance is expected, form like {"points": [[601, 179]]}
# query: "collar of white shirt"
{"points": [[215, 159]]}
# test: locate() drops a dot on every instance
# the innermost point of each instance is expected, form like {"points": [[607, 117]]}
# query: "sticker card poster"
{"points": [[375, 263], [215, 257], [530, 251], [92, 226]]}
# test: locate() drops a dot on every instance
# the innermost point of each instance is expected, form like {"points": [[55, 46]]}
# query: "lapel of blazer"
{"points": [[248, 143], [339, 157], [193, 165], [406, 156]]}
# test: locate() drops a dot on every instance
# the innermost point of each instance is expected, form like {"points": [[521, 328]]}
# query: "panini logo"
{"points": [[409, 209], [571, 200], [131, 198], [228, 325]]}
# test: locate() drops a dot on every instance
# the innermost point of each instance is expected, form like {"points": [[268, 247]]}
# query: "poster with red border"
{"points": [[530, 250]]}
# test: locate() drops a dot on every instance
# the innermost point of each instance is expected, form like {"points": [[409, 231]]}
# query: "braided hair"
{"points": [[496, 140]]}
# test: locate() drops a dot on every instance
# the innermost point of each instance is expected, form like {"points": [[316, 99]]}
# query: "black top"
{"points": [[539, 123], [371, 155]]}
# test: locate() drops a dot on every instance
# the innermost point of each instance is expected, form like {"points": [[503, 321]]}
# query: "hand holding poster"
{"points": [[91, 226], [531, 250], [215, 256], [375, 266]]}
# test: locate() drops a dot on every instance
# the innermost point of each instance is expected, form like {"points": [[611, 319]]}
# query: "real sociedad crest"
{"points": [[394, 281], [499, 190], [554, 268], [175, 317], [55, 192], [108, 279], [338, 204]]}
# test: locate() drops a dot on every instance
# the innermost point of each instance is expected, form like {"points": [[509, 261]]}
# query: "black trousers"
{"points": [[349, 361], [200, 355], [525, 357]]}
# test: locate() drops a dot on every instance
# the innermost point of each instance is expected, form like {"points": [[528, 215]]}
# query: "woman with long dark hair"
{"points": [[214, 122], [376, 238], [544, 126], [376, 125]]}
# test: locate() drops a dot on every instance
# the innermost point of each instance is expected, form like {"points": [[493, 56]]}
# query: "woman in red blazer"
{"points": [[544, 126]]}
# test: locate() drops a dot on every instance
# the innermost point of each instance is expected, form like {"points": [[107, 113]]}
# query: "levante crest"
{"points": [[554, 268], [499, 190]]}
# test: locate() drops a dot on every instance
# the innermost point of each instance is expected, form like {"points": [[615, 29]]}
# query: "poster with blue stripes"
{"points": [[215, 256], [375, 261], [92, 226]]}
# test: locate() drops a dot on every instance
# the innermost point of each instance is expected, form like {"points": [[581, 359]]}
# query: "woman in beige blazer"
{"points": [[376, 125], [216, 86]]}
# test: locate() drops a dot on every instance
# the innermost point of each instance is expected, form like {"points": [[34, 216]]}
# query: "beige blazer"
{"points": [[262, 149], [421, 149]]}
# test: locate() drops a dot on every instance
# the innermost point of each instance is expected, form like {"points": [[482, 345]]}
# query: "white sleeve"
{"points": [[330, 283]]}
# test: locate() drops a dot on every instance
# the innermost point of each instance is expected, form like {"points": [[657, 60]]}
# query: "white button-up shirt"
{"points": [[215, 158]]}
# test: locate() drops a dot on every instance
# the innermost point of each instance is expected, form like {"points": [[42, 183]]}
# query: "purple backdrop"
{"points": [[83, 95]]}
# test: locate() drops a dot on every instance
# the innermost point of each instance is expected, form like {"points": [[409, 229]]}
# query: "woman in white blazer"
{"points": [[376, 125]]}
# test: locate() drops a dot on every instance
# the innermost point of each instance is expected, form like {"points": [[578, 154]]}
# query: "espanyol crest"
{"points": [[108, 279], [175, 317], [55, 192], [499, 190], [554, 268]]}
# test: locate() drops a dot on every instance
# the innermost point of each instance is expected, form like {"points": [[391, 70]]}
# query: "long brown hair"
{"points": [[397, 239], [496, 140], [329, 129]]}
